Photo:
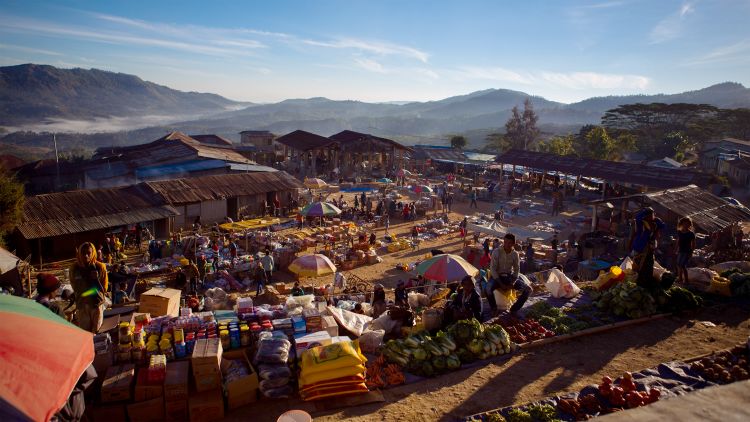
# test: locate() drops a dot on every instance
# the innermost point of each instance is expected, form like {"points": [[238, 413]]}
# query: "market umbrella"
{"points": [[402, 173], [315, 183], [446, 267], [320, 209], [43, 356], [312, 266], [422, 188], [385, 180]]}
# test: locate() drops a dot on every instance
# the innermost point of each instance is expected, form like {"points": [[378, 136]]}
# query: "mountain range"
{"points": [[32, 94]]}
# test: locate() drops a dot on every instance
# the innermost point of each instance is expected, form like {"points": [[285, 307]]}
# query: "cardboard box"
{"points": [[117, 383], [147, 411], [207, 406], [331, 326], [281, 287], [106, 413], [206, 362], [160, 301], [307, 341], [145, 391], [242, 391], [176, 411], [176, 382]]}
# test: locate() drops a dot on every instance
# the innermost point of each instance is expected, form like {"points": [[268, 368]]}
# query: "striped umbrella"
{"points": [[446, 267], [43, 357], [422, 188], [320, 209], [315, 183], [385, 180], [312, 266]]}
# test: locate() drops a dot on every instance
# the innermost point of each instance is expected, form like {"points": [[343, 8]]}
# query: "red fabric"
{"points": [[41, 363]]}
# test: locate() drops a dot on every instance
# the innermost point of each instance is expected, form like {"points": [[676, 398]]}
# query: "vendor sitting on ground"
{"points": [[297, 290], [466, 303], [401, 294], [47, 286], [120, 294], [504, 270], [358, 309], [378, 301]]}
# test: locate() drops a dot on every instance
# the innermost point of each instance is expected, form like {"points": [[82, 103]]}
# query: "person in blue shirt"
{"points": [[643, 242]]}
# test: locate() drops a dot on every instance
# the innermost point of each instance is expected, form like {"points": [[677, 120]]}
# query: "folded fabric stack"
{"points": [[334, 370]]}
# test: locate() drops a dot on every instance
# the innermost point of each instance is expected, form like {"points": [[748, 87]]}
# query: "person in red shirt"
{"points": [[485, 260]]}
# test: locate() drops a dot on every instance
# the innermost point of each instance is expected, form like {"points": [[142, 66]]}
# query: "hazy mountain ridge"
{"points": [[30, 93]]}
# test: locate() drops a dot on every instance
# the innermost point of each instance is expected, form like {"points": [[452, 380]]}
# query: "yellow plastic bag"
{"points": [[505, 299], [720, 286], [345, 354]]}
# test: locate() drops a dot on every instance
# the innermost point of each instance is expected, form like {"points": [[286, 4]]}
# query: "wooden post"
{"points": [[39, 244], [594, 218], [28, 279]]}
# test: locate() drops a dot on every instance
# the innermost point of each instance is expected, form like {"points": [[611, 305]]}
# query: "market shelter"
{"points": [[609, 171], [55, 224]]}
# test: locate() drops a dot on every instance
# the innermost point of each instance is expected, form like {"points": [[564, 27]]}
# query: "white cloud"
{"points": [[673, 25], [29, 50], [492, 74], [733, 52], [376, 47], [370, 65], [591, 80]]}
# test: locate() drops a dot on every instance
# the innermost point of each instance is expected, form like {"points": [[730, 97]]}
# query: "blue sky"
{"points": [[266, 51]]}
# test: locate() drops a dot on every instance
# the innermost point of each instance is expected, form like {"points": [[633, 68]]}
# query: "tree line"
{"points": [[655, 130]]}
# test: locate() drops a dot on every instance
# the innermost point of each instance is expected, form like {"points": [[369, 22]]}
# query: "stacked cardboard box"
{"points": [[117, 383], [244, 390], [206, 362], [313, 321], [176, 391]]}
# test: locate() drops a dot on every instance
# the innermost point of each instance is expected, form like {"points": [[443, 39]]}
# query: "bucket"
{"points": [[295, 416], [432, 319]]}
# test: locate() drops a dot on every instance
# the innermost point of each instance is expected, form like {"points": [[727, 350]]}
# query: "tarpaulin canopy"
{"points": [[8, 261], [496, 229]]}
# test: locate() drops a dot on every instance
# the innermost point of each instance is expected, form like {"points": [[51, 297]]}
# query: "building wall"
{"points": [[213, 211]]}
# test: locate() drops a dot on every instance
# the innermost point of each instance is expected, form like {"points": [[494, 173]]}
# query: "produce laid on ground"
{"points": [[561, 321], [739, 282], [524, 330], [725, 367], [381, 374], [633, 389], [462, 342], [627, 299]]}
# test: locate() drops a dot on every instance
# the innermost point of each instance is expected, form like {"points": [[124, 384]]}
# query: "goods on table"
{"points": [[333, 370], [524, 331], [627, 299], [464, 341], [726, 366], [555, 319]]}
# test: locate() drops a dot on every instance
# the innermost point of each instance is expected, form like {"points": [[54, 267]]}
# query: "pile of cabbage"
{"points": [[463, 342]]}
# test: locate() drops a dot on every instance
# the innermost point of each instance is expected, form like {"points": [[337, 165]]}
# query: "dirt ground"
{"points": [[531, 374], [541, 372]]}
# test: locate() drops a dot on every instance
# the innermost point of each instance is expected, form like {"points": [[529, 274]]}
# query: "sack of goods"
{"points": [[271, 360], [334, 370]]}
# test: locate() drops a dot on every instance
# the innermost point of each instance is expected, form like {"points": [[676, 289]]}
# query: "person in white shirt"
{"points": [[266, 262], [504, 270]]}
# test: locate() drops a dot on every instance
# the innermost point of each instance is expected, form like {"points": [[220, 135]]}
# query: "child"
{"points": [[685, 247], [120, 295]]}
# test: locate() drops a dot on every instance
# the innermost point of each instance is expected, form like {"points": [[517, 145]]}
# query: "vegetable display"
{"points": [[381, 374], [739, 282], [524, 331], [724, 367], [614, 396], [462, 342], [556, 319], [627, 299]]}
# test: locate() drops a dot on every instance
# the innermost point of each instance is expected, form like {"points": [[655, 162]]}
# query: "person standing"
{"points": [[88, 278], [685, 247], [450, 202], [473, 198], [267, 263], [504, 274], [643, 243]]}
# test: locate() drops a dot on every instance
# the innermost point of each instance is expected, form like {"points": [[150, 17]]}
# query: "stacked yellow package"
{"points": [[334, 370]]}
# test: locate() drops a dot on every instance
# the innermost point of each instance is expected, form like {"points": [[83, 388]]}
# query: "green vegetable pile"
{"points": [[739, 282], [555, 319], [462, 342], [543, 413], [630, 300]]}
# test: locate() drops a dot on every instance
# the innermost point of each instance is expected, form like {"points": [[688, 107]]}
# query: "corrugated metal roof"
{"points": [[439, 153], [303, 140], [352, 137], [181, 167], [208, 188], [62, 213], [708, 212], [611, 171]]}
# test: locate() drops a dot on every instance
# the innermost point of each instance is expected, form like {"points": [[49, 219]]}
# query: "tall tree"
{"points": [[497, 143], [458, 141], [11, 204], [596, 142], [735, 123], [559, 145], [520, 129]]}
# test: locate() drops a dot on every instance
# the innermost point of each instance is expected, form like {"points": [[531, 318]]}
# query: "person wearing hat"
{"points": [[89, 280], [47, 286], [401, 294], [378, 301]]}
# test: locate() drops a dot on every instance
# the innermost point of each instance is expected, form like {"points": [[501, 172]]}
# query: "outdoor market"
{"points": [[342, 296]]}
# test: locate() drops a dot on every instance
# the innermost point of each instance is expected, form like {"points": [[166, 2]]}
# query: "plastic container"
{"points": [[245, 335], [225, 342], [295, 416]]}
